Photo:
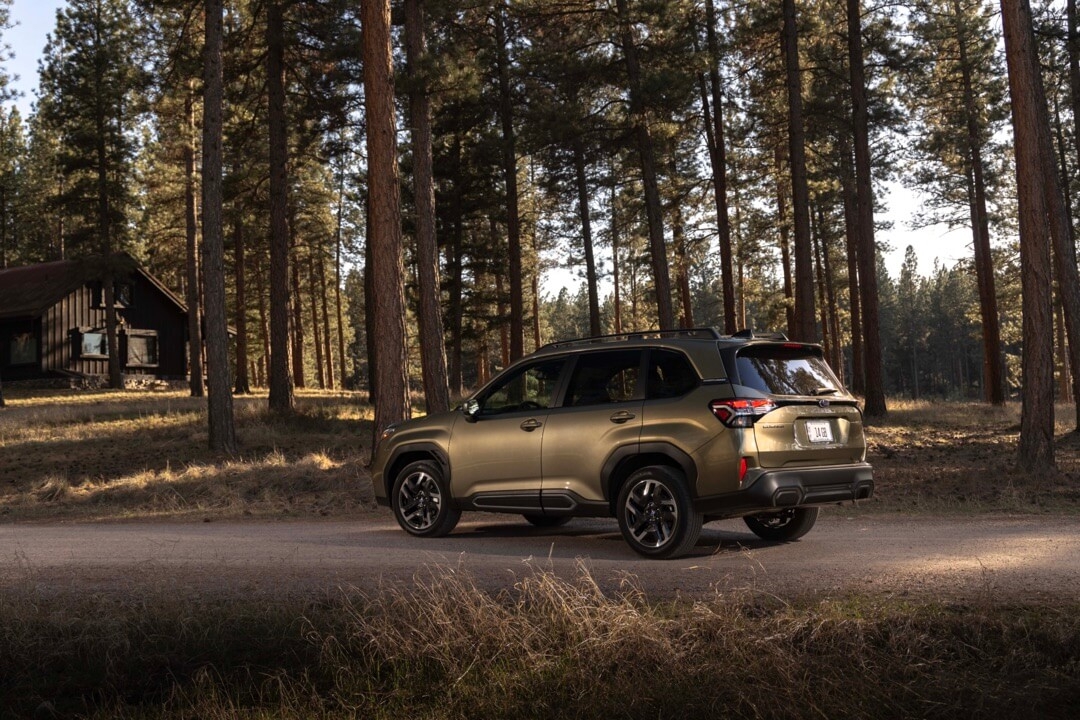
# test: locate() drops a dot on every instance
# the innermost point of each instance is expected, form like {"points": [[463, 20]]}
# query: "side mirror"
{"points": [[470, 410]]}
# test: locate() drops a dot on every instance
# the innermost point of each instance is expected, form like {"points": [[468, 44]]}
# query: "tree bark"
{"points": [[1073, 49], [591, 279], [509, 158], [327, 344], [384, 204], [454, 262], [191, 289], [316, 333], [718, 158], [297, 338], [653, 207], [875, 382], [805, 324], [785, 249], [220, 403], [281, 382], [429, 311], [1036, 447], [851, 233], [993, 370], [243, 380]]}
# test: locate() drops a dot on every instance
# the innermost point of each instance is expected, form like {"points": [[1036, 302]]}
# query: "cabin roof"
{"points": [[30, 290]]}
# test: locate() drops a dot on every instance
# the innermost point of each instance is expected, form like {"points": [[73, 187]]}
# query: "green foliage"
{"points": [[91, 94]]}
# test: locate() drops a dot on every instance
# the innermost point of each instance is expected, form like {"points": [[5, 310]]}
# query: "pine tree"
{"points": [[93, 90]]}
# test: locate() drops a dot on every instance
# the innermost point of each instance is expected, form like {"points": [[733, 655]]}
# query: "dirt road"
{"points": [[967, 559]]}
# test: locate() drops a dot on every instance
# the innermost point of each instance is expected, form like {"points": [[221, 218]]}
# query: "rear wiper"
{"points": [[825, 391]]}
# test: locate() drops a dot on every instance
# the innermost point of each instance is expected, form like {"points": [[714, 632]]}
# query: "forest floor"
{"points": [[98, 455]]}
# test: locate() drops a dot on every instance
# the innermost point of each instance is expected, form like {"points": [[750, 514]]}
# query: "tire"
{"points": [[784, 526], [656, 514], [547, 521], [421, 500]]}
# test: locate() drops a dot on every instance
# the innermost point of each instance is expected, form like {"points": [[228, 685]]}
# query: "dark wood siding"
{"points": [[62, 325]]}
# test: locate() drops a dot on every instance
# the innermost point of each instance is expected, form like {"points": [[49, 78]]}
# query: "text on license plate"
{"points": [[819, 431]]}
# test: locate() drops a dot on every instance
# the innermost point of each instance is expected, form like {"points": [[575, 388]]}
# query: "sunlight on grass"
{"points": [[107, 454]]}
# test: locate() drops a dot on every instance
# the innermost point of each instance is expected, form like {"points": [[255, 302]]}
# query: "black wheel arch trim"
{"points": [[628, 452], [418, 448]]}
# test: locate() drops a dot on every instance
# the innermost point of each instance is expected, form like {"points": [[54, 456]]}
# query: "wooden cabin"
{"points": [[52, 322]]}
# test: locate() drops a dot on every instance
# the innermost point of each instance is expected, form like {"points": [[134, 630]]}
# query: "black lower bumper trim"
{"points": [[793, 487]]}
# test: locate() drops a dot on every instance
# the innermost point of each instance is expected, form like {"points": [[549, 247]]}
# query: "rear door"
{"points": [[816, 421], [601, 412]]}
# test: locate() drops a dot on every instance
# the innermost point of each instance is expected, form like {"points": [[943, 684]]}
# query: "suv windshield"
{"points": [[780, 370]]}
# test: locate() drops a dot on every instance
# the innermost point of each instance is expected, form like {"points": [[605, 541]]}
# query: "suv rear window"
{"points": [[780, 370]]}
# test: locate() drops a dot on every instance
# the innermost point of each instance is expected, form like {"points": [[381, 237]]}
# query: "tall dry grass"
{"points": [[544, 648], [105, 454]]}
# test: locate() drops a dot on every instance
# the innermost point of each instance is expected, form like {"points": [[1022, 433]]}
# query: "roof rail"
{"points": [[750, 334], [709, 333]]}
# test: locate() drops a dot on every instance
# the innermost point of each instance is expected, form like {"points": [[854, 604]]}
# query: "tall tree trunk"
{"points": [[682, 269], [718, 158], [243, 380], [864, 191], [834, 314], [327, 344], [819, 271], [615, 258], [805, 326], [1036, 447], [429, 311], [316, 333], [591, 278], [1073, 48], [785, 249], [454, 262], [191, 289], [104, 229], [384, 205], [264, 323], [220, 404], [851, 233], [653, 207], [337, 284], [297, 324], [281, 382], [509, 158], [993, 370]]}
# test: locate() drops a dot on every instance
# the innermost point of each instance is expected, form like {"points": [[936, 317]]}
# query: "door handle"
{"points": [[622, 416], [530, 424]]}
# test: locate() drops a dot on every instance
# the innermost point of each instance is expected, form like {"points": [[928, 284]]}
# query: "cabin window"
{"points": [[23, 350], [94, 345], [142, 348], [123, 290]]}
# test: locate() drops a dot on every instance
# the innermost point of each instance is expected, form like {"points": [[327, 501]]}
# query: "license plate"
{"points": [[819, 431]]}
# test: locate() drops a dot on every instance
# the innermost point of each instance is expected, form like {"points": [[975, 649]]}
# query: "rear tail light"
{"points": [[741, 412], [743, 466]]}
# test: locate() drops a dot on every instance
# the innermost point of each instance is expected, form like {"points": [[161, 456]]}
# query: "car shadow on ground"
{"points": [[596, 539]]}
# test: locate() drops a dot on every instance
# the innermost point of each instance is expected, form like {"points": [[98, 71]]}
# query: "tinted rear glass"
{"points": [[779, 370]]}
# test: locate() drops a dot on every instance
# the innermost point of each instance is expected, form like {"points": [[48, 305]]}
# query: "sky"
{"points": [[36, 18]]}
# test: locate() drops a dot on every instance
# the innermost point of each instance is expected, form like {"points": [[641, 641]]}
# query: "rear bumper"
{"points": [[786, 488]]}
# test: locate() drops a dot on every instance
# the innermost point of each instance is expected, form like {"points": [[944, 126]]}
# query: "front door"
{"points": [[495, 457]]}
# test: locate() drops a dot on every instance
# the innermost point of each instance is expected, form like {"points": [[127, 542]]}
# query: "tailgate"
{"points": [[808, 434]]}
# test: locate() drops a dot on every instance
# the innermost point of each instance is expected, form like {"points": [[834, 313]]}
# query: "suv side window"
{"points": [[604, 377], [531, 388], [670, 375]]}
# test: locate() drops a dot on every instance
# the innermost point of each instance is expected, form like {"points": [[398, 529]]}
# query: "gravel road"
{"points": [[962, 559]]}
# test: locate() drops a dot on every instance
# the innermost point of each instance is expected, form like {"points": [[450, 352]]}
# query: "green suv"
{"points": [[663, 430]]}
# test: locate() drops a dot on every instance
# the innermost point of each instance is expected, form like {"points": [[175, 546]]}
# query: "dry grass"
{"points": [[544, 648], [106, 454], [941, 456]]}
